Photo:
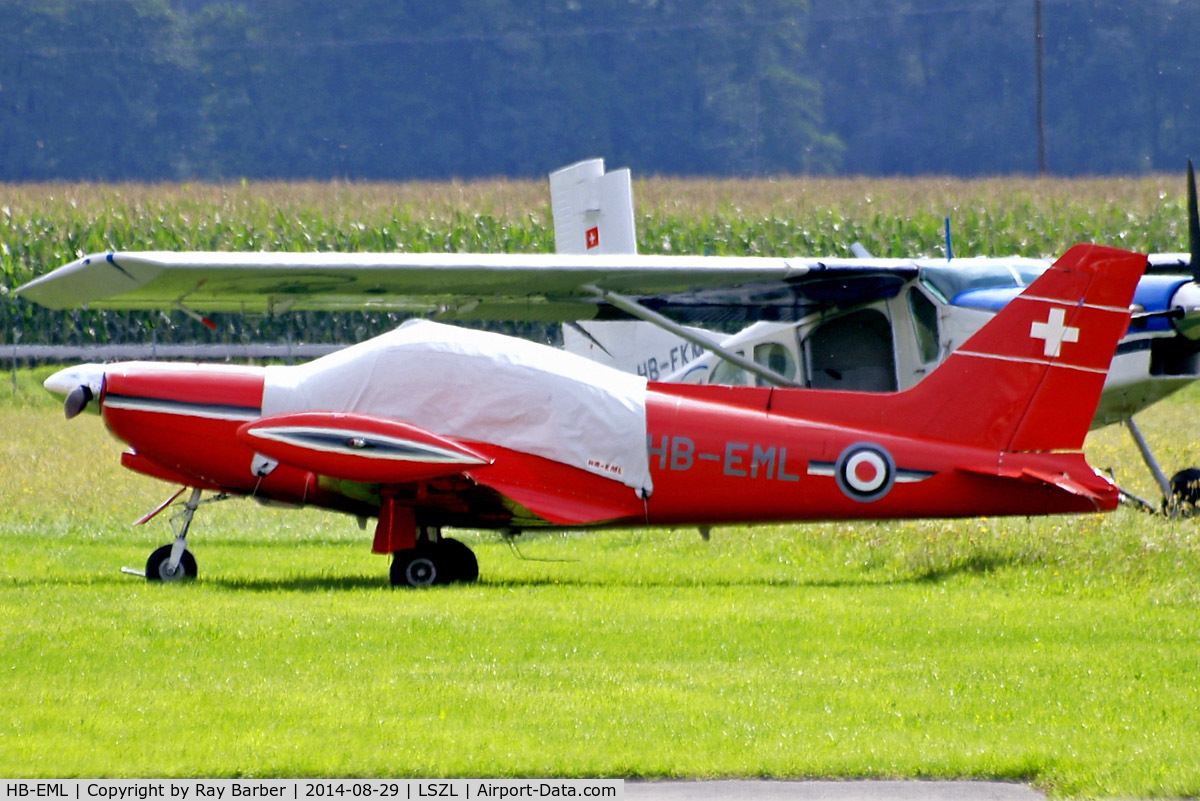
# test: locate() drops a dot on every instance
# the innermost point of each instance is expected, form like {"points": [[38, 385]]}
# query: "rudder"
{"points": [[593, 210]]}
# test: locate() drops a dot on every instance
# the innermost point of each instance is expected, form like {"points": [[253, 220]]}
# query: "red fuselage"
{"points": [[717, 455]]}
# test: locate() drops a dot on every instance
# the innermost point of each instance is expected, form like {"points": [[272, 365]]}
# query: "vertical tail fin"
{"points": [[593, 215], [1030, 379], [593, 210]]}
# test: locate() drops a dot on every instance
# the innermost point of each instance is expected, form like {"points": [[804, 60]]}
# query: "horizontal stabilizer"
{"points": [[1068, 483], [357, 447], [1070, 475]]}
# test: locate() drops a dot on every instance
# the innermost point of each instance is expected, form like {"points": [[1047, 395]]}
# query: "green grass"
{"points": [[1060, 651]]}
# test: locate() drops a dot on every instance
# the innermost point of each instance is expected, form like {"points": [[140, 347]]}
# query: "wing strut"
{"points": [[631, 306]]}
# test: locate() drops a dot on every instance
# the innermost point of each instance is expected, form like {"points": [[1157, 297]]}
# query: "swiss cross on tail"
{"points": [[1055, 332], [593, 237]]}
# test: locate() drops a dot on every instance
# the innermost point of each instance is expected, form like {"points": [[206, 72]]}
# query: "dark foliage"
{"points": [[363, 89]]}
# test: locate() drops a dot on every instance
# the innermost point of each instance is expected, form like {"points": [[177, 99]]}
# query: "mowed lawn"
{"points": [[1063, 652]]}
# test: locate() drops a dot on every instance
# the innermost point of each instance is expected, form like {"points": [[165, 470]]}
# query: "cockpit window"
{"points": [[775, 357], [925, 324], [852, 351], [730, 374], [948, 281]]}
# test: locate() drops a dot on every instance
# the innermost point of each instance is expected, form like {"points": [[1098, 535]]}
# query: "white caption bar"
{"points": [[306, 789]]}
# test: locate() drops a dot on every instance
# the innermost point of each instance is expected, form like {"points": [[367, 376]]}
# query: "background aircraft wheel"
{"points": [[1185, 486], [156, 566], [418, 567], [460, 561]]}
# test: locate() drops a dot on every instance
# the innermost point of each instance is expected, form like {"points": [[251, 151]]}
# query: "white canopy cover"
{"points": [[475, 385]]}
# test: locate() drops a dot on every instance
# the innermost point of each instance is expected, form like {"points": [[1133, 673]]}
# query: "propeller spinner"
{"points": [[80, 384]]}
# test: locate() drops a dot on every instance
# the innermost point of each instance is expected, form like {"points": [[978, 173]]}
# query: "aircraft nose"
{"points": [[80, 384]]}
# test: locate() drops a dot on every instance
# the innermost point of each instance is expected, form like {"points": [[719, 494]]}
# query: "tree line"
{"points": [[385, 90]]}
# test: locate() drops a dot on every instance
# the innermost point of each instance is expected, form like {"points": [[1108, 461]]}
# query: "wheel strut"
{"points": [[174, 562], [180, 545]]}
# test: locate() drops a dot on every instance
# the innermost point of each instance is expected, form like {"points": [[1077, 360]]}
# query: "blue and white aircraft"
{"points": [[881, 325]]}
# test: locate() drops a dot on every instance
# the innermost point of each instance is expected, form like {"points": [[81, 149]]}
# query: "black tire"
{"points": [[1185, 486], [156, 566], [418, 567], [461, 564]]}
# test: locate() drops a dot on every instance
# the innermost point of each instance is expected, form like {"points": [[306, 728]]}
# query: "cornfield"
{"points": [[43, 226]]}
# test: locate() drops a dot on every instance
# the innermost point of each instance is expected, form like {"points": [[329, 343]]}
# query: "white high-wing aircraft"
{"points": [[859, 323], [886, 332]]}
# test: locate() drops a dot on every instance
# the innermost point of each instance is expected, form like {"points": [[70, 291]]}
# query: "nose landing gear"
{"points": [[159, 565], [174, 562]]}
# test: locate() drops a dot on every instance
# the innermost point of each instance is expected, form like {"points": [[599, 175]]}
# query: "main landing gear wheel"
{"points": [[158, 566], [1185, 486], [434, 563], [463, 566], [415, 567]]}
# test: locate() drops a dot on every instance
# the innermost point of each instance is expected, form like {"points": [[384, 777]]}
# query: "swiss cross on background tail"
{"points": [[593, 237], [1054, 332]]}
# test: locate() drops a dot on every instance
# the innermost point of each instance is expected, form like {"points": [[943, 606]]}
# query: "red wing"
{"points": [[377, 450], [358, 447], [132, 460]]}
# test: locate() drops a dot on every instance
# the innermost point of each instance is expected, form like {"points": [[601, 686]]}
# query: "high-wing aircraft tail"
{"points": [[593, 210], [593, 215]]}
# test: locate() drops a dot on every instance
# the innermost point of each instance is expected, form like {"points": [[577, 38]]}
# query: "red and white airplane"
{"points": [[859, 324], [430, 427]]}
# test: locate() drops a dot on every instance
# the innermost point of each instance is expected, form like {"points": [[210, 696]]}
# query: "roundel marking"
{"points": [[865, 472]]}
